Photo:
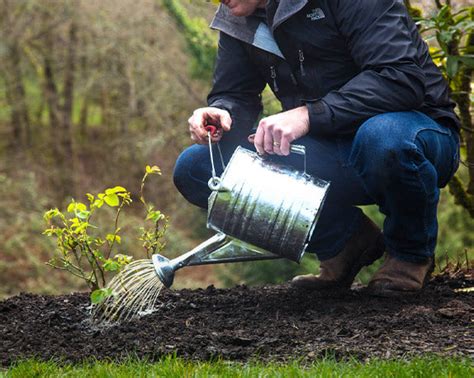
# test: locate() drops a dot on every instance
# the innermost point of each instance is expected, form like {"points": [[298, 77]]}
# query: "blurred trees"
{"points": [[90, 92], [73, 70]]}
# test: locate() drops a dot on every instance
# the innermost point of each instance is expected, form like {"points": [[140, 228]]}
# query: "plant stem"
{"points": [[111, 245], [81, 276], [86, 251], [99, 268]]}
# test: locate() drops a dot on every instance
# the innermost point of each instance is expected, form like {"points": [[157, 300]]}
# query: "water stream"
{"points": [[135, 291]]}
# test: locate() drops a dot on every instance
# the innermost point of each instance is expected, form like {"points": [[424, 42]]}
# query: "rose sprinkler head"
{"points": [[163, 269]]}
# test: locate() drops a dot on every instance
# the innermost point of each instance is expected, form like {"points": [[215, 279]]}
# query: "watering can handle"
{"points": [[294, 148], [214, 182]]}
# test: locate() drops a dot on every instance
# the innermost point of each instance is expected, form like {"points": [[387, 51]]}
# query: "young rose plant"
{"points": [[85, 252]]}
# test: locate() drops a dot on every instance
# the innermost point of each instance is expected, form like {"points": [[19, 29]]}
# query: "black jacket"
{"points": [[347, 60]]}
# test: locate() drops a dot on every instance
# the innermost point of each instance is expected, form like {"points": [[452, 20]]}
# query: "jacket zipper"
{"points": [[273, 75], [301, 59]]}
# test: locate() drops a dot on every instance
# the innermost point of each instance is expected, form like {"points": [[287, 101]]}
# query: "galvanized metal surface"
{"points": [[267, 205]]}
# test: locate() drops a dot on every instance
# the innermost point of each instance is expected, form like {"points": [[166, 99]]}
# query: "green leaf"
{"points": [[98, 203], [111, 265], [154, 170], [80, 206], [50, 232], [112, 200], [99, 242], [78, 228], [115, 190], [452, 65], [51, 214], [75, 207], [468, 60], [111, 238], [100, 295], [123, 259], [84, 214], [155, 216]]}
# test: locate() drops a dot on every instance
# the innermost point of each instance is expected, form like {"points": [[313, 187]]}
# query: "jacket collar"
{"points": [[285, 9], [244, 28]]}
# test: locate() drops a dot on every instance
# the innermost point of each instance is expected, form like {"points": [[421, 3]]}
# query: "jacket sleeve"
{"points": [[237, 84], [378, 34]]}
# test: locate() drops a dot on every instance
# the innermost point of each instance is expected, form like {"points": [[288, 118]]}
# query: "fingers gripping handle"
{"points": [[297, 149]]}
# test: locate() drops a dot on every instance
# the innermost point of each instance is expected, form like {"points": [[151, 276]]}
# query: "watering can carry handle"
{"points": [[294, 148], [214, 181]]}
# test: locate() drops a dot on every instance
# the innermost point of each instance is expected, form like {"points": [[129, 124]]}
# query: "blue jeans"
{"points": [[396, 160]]}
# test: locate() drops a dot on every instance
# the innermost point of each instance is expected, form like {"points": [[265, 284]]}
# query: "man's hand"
{"points": [[209, 116], [275, 133]]}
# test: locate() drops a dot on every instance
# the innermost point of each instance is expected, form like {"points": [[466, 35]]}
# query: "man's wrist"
{"points": [[320, 118], [304, 117]]}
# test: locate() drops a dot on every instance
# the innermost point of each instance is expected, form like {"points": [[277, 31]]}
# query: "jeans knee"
{"points": [[191, 173], [181, 171], [180, 177], [380, 145]]}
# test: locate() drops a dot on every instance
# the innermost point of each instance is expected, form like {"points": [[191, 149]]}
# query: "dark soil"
{"points": [[274, 322]]}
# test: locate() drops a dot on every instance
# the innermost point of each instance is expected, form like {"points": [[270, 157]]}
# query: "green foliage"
{"points": [[152, 238], [449, 29], [83, 251], [453, 52], [78, 251], [100, 295], [200, 42]]}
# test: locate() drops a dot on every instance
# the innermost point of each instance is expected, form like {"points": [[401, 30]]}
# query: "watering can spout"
{"points": [[218, 249], [163, 269]]}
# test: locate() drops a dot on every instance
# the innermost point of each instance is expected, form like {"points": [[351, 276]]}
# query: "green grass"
{"points": [[175, 367]]}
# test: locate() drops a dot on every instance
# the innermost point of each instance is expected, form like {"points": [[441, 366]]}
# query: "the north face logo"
{"points": [[316, 14]]}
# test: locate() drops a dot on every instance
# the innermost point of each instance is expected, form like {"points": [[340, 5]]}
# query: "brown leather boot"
{"points": [[397, 277], [363, 248]]}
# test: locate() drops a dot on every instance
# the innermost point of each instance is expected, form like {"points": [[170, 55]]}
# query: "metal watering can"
{"points": [[261, 210]]}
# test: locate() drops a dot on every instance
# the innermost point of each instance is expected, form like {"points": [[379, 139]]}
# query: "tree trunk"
{"points": [[15, 118], [84, 112], [63, 181], [52, 98], [68, 103], [16, 95], [84, 115], [69, 74]]}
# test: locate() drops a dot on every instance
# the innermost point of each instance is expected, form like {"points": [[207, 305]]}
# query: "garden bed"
{"points": [[242, 323]]}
